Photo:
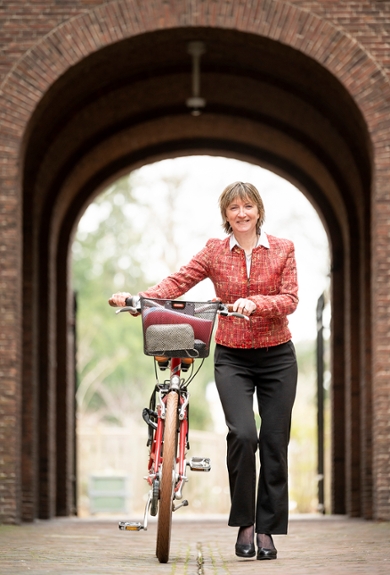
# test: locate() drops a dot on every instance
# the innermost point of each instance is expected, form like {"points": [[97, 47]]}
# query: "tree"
{"points": [[117, 240]]}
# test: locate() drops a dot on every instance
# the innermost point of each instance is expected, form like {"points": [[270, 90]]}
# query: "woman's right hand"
{"points": [[119, 299]]}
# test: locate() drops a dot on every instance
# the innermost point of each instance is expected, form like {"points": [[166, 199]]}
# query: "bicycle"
{"points": [[175, 333]]}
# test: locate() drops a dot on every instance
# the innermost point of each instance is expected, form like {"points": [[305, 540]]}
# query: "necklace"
{"points": [[248, 253]]}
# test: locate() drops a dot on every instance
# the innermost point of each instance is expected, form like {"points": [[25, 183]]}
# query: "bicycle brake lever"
{"points": [[129, 308], [227, 313], [241, 315], [223, 312]]}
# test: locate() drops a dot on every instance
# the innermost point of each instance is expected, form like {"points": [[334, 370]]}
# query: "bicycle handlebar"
{"points": [[226, 310], [133, 305]]}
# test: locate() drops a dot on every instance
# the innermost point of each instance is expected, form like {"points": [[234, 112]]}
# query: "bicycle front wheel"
{"points": [[167, 479]]}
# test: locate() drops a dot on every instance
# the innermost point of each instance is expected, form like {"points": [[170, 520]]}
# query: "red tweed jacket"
{"points": [[272, 286]]}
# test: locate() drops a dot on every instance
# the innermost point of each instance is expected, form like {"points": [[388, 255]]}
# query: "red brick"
{"points": [[44, 41]]}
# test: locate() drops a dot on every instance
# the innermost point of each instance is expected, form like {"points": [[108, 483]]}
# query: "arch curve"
{"points": [[100, 103]]}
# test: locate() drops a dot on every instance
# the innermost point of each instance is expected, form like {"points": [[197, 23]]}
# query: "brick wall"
{"points": [[42, 40], [23, 24]]}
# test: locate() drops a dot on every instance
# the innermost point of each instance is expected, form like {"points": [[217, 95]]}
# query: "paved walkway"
{"points": [[315, 545]]}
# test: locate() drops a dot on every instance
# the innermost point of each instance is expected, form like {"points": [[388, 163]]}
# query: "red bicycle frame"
{"points": [[156, 452]]}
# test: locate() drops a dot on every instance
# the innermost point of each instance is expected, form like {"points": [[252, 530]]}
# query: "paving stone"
{"points": [[200, 546]]}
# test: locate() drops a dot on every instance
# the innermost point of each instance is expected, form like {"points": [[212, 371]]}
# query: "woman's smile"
{"points": [[242, 215]]}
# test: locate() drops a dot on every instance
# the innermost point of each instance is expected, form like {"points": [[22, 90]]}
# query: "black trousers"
{"points": [[271, 373]]}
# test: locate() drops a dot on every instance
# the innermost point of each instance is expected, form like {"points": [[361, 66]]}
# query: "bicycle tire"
{"points": [[164, 520]]}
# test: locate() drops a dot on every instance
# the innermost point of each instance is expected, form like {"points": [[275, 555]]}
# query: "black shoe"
{"points": [[267, 553], [245, 550], [264, 553]]}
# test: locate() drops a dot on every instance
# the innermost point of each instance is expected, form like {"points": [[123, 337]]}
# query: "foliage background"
{"points": [[145, 226]]}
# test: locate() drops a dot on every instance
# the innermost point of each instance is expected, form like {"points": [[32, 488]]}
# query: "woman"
{"points": [[257, 274]]}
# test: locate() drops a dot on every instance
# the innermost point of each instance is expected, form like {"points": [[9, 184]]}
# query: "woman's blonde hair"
{"points": [[244, 191]]}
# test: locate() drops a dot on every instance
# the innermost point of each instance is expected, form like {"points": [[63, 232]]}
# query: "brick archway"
{"points": [[105, 92]]}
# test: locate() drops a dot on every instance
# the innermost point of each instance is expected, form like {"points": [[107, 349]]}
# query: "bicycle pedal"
{"points": [[200, 464], [130, 526]]}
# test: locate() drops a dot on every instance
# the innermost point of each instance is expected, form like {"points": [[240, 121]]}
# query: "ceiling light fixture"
{"points": [[196, 49]]}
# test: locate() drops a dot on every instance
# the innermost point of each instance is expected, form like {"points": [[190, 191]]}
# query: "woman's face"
{"points": [[242, 215]]}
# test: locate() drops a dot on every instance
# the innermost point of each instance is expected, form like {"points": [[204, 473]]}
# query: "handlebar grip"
{"points": [[226, 307], [133, 305]]}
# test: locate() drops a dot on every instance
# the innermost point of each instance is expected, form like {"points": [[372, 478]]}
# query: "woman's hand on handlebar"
{"points": [[226, 310], [119, 299], [126, 302], [244, 306], [241, 306]]}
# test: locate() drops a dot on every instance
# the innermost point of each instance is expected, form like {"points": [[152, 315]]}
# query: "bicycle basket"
{"points": [[175, 328]]}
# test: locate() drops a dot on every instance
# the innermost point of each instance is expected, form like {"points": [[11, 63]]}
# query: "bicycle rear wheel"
{"points": [[164, 522]]}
